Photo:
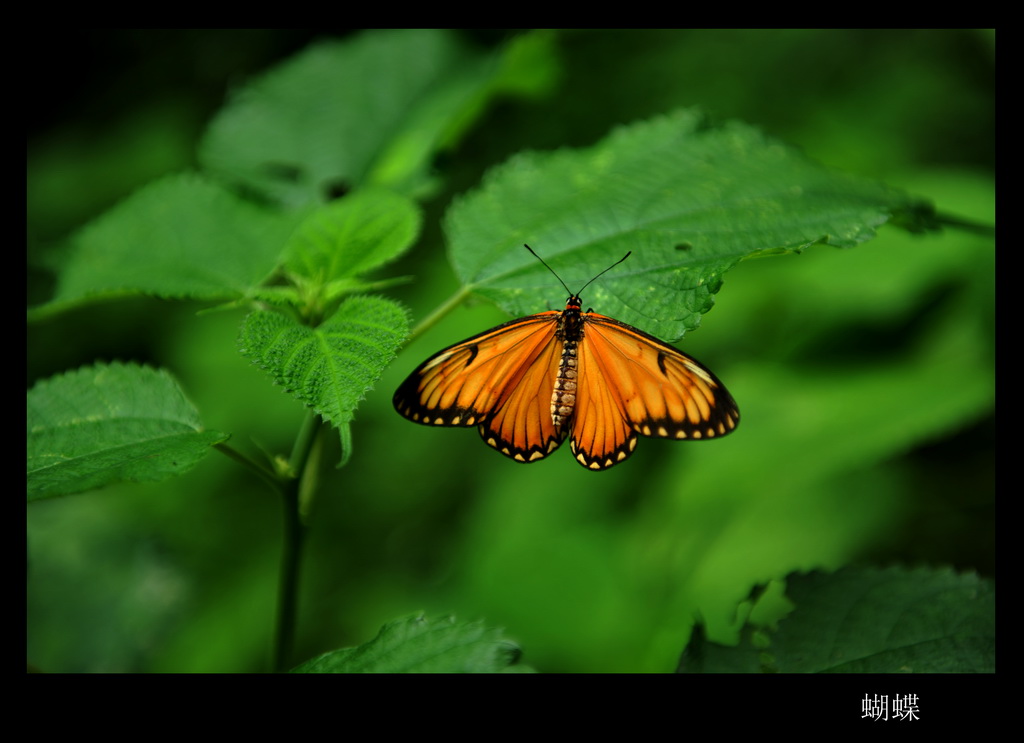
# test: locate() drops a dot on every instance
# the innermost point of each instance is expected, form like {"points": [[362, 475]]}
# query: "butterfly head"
{"points": [[574, 303]]}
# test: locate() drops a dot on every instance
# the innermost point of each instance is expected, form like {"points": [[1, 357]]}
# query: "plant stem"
{"points": [[264, 473], [449, 304], [294, 535], [304, 443], [302, 466]]}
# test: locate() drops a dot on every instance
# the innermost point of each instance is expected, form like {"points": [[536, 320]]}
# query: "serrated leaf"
{"points": [[873, 621], [419, 645], [888, 621], [371, 109], [110, 423], [182, 237], [331, 367], [689, 198], [351, 236]]}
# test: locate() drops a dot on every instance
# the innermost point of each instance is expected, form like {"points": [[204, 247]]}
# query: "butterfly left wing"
{"points": [[632, 383], [499, 381]]}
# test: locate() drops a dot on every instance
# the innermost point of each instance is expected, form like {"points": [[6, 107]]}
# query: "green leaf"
{"points": [[688, 198], [183, 237], [871, 621], [702, 656], [371, 109], [110, 423], [331, 367], [350, 237], [419, 645]]}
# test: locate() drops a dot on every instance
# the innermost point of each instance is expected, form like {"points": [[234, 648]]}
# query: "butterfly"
{"points": [[530, 383]]}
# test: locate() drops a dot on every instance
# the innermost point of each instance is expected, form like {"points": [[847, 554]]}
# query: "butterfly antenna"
{"points": [[548, 268], [620, 260]]}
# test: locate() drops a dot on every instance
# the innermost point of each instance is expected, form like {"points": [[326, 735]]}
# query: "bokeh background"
{"points": [[865, 376]]}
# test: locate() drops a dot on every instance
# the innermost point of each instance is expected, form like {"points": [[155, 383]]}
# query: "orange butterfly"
{"points": [[529, 383]]}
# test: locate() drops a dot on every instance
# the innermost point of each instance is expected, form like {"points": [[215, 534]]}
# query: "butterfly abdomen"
{"points": [[570, 332], [563, 397]]}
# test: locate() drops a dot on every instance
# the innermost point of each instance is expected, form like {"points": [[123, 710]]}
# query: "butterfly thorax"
{"points": [[569, 332]]}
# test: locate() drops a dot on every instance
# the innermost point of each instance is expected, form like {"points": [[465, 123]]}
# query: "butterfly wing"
{"points": [[631, 383], [500, 381]]}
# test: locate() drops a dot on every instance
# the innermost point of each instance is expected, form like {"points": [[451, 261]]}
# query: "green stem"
{"points": [[291, 553], [263, 472], [301, 466], [304, 443], [434, 317]]}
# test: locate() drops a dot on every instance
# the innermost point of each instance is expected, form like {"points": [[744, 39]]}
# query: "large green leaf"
{"points": [[869, 621], [330, 367], [419, 645], [110, 423], [690, 199], [183, 237], [371, 109], [888, 621]]}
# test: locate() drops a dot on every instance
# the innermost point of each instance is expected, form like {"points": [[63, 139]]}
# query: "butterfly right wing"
{"points": [[632, 383], [500, 381]]}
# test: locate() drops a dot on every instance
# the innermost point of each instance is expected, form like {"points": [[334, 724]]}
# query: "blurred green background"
{"points": [[865, 377]]}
